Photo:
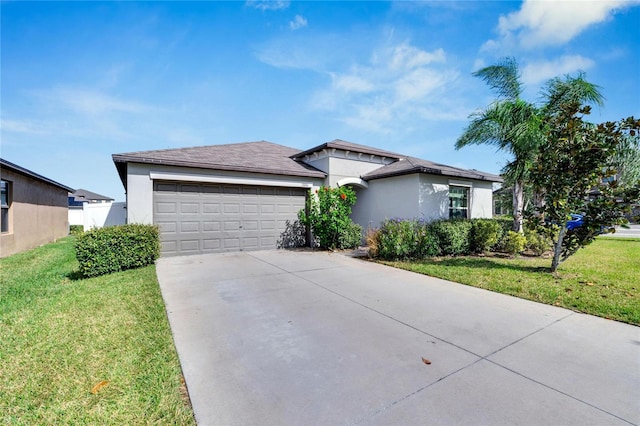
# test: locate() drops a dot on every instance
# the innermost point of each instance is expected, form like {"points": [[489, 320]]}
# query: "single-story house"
{"points": [[244, 196], [34, 209], [77, 201]]}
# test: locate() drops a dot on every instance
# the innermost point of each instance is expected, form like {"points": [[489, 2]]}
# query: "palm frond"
{"points": [[503, 78]]}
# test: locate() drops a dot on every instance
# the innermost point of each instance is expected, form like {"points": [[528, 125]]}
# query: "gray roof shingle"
{"points": [[84, 195], [255, 157], [409, 165]]}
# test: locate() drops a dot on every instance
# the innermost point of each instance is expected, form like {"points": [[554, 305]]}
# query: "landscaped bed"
{"points": [[85, 351], [601, 279]]}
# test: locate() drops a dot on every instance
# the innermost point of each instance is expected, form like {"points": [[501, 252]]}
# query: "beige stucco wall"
{"points": [[38, 213]]}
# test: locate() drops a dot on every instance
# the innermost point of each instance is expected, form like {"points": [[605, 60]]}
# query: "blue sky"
{"points": [[83, 80]]}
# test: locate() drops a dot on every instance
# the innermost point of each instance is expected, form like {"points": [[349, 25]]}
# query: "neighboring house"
{"points": [[34, 209], [243, 196], [93, 210]]}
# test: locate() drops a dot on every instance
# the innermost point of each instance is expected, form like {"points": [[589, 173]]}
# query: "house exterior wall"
{"points": [[38, 213], [387, 198], [434, 196], [140, 184], [417, 196], [340, 165]]}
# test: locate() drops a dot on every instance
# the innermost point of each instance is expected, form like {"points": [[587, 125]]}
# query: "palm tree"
{"points": [[517, 126], [509, 123]]}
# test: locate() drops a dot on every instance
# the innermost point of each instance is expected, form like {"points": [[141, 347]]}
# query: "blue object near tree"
{"points": [[576, 221]]}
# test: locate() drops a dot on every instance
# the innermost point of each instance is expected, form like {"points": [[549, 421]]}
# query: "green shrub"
{"points": [[351, 236], [117, 248], [514, 243], [485, 233], [327, 214], [427, 242], [536, 242], [396, 239], [76, 229], [453, 236]]}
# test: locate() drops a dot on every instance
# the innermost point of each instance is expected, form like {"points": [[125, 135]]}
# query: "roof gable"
{"points": [[350, 147]]}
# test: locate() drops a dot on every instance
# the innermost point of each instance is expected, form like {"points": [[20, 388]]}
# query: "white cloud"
{"points": [[298, 22], [268, 4], [543, 23], [536, 72], [400, 84]]}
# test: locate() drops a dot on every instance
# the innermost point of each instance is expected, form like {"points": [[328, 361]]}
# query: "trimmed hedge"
{"points": [[117, 248]]}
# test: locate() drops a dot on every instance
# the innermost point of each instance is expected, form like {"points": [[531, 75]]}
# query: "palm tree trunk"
{"points": [[518, 206]]}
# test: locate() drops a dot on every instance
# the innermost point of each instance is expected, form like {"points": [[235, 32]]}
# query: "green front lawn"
{"points": [[61, 336], [602, 279]]}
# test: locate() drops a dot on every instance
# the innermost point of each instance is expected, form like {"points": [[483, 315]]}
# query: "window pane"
{"points": [[4, 226], [4, 190], [458, 203]]}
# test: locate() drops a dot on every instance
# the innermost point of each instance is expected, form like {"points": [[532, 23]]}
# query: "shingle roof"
{"points": [[348, 146], [11, 166], [84, 195], [255, 157], [409, 165]]}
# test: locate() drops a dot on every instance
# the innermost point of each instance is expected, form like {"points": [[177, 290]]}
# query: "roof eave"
{"points": [[122, 160], [26, 172], [430, 171]]}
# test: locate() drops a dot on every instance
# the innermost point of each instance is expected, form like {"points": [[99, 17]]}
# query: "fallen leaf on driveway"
{"points": [[426, 361]]}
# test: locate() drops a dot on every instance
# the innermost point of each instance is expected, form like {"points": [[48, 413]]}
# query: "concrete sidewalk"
{"points": [[292, 338]]}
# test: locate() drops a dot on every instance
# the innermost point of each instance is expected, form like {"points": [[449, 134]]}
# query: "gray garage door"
{"points": [[210, 218]]}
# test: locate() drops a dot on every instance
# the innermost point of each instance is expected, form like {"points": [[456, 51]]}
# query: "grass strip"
{"points": [[61, 336], [602, 279]]}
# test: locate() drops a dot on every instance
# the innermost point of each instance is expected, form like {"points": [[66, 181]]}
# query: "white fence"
{"points": [[98, 215]]}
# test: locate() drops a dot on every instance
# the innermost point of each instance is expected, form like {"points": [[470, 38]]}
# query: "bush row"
{"points": [[414, 239], [117, 248]]}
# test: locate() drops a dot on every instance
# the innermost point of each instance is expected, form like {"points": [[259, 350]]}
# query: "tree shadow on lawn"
{"points": [[483, 263]]}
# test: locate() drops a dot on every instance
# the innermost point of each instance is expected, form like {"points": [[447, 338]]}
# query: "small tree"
{"points": [[327, 214], [573, 165]]}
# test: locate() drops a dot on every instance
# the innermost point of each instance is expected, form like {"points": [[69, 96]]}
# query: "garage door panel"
{"points": [[211, 244], [168, 227], [231, 208], [211, 225], [211, 208], [189, 227], [209, 218], [189, 207], [190, 245], [188, 188]]}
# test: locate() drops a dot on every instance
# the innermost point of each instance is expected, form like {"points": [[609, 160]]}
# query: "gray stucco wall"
{"points": [[38, 213], [419, 196]]}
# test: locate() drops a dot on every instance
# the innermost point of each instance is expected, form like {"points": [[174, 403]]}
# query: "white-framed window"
{"points": [[458, 202], [5, 204]]}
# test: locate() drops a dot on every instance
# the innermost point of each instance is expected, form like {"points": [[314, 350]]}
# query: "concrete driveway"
{"points": [[301, 338]]}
